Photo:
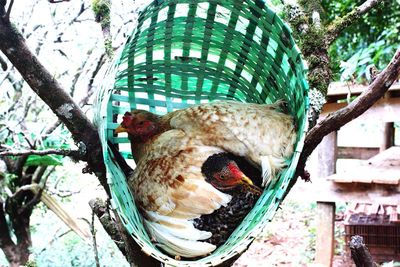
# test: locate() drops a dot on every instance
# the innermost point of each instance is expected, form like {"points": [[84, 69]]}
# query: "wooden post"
{"points": [[327, 155], [388, 136], [325, 233]]}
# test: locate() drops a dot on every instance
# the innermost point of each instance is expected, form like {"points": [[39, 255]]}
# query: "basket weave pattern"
{"points": [[186, 52]]}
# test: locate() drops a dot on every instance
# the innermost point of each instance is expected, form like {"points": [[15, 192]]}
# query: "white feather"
{"points": [[177, 246], [266, 170]]}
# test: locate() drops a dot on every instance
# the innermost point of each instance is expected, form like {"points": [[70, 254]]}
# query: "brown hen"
{"points": [[191, 197], [262, 134]]}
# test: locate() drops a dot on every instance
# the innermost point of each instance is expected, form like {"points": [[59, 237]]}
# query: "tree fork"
{"points": [[84, 133]]}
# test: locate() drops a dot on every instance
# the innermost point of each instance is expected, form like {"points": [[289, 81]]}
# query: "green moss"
{"points": [[313, 61], [108, 47], [105, 22], [319, 79], [101, 9], [31, 263], [312, 41], [340, 24]]}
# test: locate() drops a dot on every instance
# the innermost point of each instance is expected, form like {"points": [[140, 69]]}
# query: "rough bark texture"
{"points": [[121, 237], [339, 25], [6, 243], [50, 91], [314, 40], [19, 212], [360, 253]]}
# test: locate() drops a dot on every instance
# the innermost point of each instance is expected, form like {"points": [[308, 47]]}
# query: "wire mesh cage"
{"points": [[186, 52]]}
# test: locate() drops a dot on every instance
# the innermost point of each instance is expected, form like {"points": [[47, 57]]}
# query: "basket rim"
{"points": [[155, 252]]}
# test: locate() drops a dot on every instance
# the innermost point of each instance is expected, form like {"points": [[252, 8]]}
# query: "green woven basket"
{"points": [[186, 52]]}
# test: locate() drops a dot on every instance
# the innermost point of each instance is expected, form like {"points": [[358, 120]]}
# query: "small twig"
{"points": [[38, 174], [121, 237], [63, 193], [36, 199], [47, 175], [93, 231], [63, 152], [86, 98], [54, 239], [99, 207], [342, 23], [57, 1], [3, 64], [7, 15], [19, 165], [29, 187]]}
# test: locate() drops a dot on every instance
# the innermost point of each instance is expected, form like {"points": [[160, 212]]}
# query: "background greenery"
{"points": [[371, 41]]}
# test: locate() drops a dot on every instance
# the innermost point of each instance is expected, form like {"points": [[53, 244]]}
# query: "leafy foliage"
{"points": [[71, 250], [371, 41]]}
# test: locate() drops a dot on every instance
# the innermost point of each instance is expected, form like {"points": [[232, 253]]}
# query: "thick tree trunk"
{"points": [[16, 254]]}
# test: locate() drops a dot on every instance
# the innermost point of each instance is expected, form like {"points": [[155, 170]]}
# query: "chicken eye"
{"points": [[222, 177], [141, 123]]}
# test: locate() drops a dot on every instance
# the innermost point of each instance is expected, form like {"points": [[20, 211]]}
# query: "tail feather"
{"points": [[181, 228], [269, 167], [175, 245]]}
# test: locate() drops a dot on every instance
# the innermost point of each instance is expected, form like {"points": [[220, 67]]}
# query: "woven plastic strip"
{"points": [[186, 52]]}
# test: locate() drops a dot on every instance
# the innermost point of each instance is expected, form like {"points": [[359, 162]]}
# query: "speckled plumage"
{"points": [[168, 184], [259, 132], [171, 191]]}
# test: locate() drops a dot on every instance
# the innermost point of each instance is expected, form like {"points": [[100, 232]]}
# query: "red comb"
{"points": [[127, 119]]}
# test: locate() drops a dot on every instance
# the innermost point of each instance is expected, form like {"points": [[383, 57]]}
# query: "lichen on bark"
{"points": [[311, 40], [101, 9]]}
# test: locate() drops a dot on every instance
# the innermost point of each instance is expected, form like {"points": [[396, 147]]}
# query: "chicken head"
{"points": [[140, 125], [223, 173]]}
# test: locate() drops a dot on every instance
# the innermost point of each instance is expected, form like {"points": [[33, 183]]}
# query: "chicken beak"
{"points": [[120, 129], [246, 180]]}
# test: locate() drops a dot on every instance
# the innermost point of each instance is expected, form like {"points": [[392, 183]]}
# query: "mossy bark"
{"points": [[311, 39], [102, 11]]}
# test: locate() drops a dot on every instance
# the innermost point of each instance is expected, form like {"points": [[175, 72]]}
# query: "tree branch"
{"points": [[57, 1], [3, 64], [99, 208], [360, 253], [101, 9], [121, 237], [93, 231], [337, 119], [7, 15], [63, 152], [6, 243], [50, 91], [342, 23]]}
